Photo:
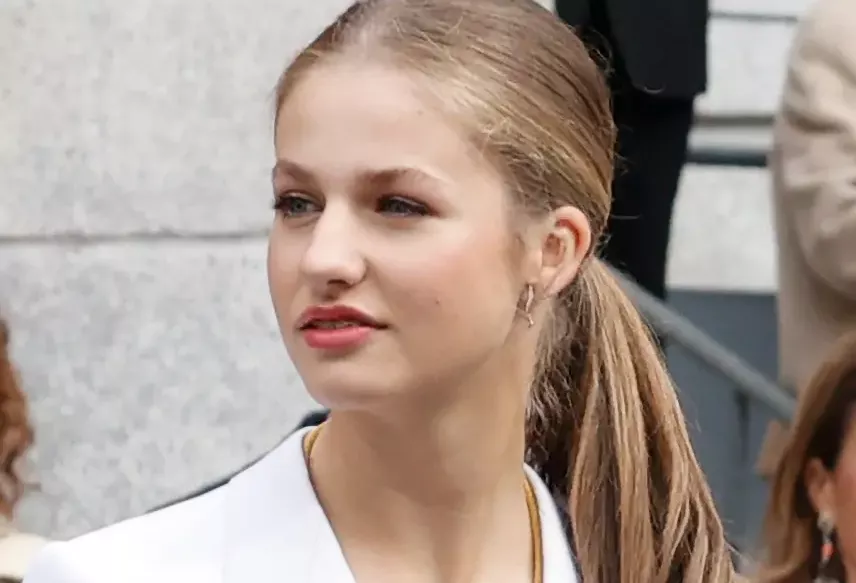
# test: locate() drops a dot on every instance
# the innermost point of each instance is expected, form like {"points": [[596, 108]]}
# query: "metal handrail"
{"points": [[736, 120], [725, 156], [754, 17], [753, 156], [664, 320]]}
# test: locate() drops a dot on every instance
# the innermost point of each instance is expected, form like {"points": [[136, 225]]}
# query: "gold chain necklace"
{"points": [[531, 506]]}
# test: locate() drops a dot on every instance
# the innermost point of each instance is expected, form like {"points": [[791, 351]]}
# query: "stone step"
{"points": [[746, 66]]}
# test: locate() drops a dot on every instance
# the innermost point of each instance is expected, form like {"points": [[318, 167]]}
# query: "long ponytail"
{"points": [[608, 435]]}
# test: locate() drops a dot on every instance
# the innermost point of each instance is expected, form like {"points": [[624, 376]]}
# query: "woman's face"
{"points": [[390, 259]]}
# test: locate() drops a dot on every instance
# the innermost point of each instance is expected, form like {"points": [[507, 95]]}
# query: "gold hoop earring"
{"points": [[528, 303]]}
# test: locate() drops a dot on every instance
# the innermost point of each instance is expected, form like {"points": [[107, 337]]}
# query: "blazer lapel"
{"points": [[276, 529]]}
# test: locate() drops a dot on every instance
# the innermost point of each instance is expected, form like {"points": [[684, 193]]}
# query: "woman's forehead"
{"points": [[373, 119]]}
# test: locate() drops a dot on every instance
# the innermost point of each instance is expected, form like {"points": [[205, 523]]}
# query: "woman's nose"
{"points": [[332, 257]]}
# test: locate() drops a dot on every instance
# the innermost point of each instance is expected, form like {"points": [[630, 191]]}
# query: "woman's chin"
{"points": [[342, 387]]}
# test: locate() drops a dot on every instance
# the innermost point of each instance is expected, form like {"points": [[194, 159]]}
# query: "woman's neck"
{"points": [[428, 497]]}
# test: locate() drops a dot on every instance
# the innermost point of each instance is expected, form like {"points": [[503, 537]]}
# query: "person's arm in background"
{"points": [[816, 144]]}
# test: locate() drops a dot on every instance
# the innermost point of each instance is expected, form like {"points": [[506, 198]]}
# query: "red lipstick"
{"points": [[336, 327]]}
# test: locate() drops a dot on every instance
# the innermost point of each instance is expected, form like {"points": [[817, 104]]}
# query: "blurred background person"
{"points": [[813, 165], [16, 437], [657, 53], [810, 527]]}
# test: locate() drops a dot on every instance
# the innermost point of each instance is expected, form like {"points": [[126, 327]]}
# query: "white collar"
{"points": [[277, 531]]}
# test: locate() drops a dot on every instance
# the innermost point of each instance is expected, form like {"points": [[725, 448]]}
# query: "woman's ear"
{"points": [[565, 244], [818, 485]]}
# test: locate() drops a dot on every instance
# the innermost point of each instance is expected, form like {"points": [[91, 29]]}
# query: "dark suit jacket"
{"points": [[661, 44]]}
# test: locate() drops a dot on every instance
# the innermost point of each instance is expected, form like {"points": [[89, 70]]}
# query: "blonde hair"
{"points": [[605, 428], [791, 537]]}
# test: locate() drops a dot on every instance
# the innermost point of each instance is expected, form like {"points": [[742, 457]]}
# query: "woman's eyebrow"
{"points": [[378, 178]]}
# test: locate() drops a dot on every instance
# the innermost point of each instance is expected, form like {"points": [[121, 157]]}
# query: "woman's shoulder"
{"points": [[180, 539]]}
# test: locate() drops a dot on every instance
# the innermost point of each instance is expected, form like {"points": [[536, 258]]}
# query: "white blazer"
{"points": [[265, 526]]}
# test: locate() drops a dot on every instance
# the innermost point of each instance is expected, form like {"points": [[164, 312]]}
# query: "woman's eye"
{"points": [[401, 207], [290, 205]]}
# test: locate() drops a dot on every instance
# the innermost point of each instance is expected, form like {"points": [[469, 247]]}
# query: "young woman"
{"points": [[442, 175], [810, 529]]}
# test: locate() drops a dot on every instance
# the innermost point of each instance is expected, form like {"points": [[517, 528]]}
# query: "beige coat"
{"points": [[813, 165]]}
